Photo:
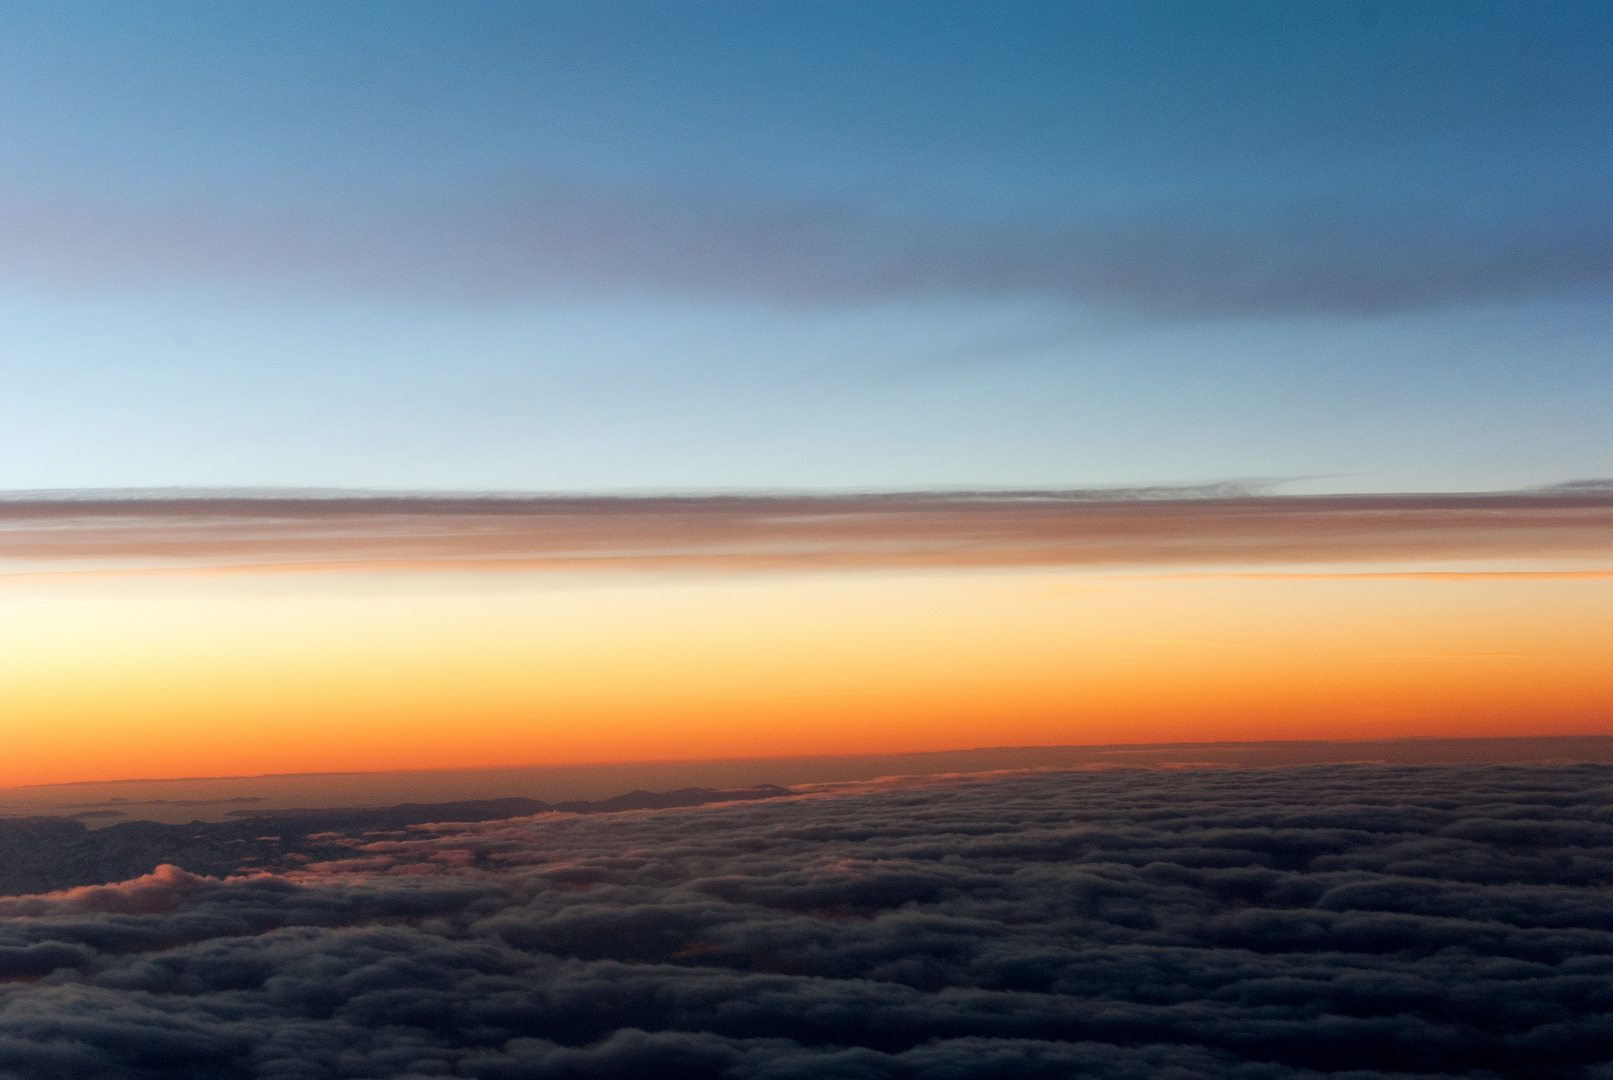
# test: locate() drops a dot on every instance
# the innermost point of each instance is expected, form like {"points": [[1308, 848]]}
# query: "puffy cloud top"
{"points": [[1345, 921]]}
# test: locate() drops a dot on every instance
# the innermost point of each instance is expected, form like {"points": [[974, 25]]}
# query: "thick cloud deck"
{"points": [[1348, 921]]}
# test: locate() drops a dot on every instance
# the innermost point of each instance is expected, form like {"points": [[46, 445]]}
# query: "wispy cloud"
{"points": [[1357, 245], [1144, 528]]}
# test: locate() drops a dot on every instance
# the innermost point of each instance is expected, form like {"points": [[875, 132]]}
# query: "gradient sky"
{"points": [[1272, 251], [585, 246], [234, 636]]}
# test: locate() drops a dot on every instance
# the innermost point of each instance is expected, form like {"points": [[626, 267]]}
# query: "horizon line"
{"points": [[1090, 747]]}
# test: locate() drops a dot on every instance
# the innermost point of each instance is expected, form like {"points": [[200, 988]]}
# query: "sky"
{"points": [[608, 246], [265, 266], [241, 635]]}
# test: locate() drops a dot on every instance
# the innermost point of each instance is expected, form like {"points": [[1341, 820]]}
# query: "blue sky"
{"points": [[601, 246]]}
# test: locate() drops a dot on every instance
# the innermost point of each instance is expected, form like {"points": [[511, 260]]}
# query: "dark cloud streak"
{"points": [[1335, 249]]}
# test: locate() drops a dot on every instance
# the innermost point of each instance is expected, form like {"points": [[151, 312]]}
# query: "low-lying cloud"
{"points": [[1342, 921], [1154, 527]]}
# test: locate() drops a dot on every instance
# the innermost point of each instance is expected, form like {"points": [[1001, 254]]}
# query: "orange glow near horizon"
{"points": [[116, 678]]}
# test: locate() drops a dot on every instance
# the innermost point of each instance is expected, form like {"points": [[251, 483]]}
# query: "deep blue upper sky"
{"points": [[603, 245]]}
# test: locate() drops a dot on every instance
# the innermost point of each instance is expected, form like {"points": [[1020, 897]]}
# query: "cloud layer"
{"points": [[1345, 921], [1154, 527]]}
